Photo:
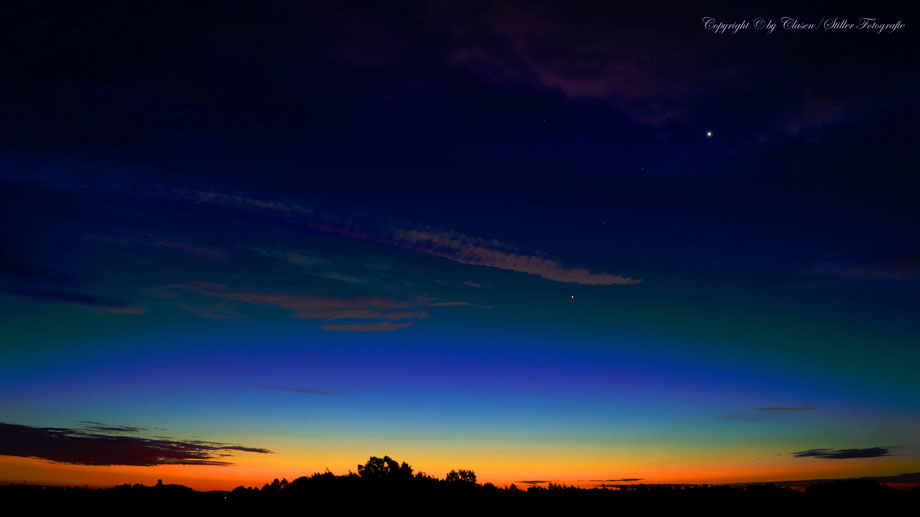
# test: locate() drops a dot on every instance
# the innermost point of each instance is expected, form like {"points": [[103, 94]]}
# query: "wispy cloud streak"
{"points": [[306, 391], [469, 250], [843, 454], [787, 408], [378, 314], [383, 326], [905, 269], [307, 306]]}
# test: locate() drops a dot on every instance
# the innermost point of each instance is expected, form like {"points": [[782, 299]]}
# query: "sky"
{"points": [[575, 242]]}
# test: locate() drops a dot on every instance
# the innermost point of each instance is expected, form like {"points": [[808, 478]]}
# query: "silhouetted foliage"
{"points": [[379, 469], [385, 481], [461, 476]]}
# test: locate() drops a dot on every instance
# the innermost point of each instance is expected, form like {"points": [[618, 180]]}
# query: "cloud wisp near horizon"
{"points": [[844, 454], [109, 428]]}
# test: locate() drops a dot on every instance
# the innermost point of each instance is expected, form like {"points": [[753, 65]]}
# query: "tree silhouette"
{"points": [[394, 483], [386, 468], [461, 476]]}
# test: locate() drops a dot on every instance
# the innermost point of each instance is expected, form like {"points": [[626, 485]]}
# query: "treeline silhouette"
{"points": [[384, 481]]}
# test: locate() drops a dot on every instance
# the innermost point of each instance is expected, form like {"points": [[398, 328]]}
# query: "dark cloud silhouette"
{"points": [[615, 480], [787, 408], [86, 447], [843, 454], [574, 52], [551, 48], [911, 478]]}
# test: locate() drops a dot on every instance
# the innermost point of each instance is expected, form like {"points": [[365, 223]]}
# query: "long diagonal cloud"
{"points": [[469, 250], [453, 246], [85, 447]]}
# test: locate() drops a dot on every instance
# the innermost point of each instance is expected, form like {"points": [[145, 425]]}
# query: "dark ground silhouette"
{"points": [[383, 483]]}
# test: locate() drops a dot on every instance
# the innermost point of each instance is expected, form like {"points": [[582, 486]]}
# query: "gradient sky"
{"points": [[247, 242]]}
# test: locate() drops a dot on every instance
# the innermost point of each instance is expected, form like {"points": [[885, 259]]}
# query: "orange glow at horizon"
{"points": [[258, 470]]}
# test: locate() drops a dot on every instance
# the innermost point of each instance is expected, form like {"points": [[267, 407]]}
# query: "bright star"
{"points": [[708, 134]]}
